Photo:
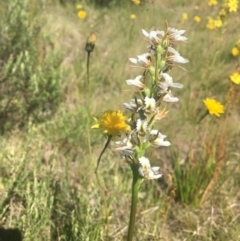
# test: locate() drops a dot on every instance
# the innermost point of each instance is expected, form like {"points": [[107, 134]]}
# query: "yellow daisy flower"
{"points": [[212, 2], [184, 16], [82, 14], [214, 107], [197, 19], [132, 16], [235, 51], [112, 123], [218, 23], [136, 1], [235, 78], [238, 43], [233, 5], [210, 23], [222, 13]]}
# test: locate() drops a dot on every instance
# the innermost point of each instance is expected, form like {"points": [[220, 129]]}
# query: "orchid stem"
{"points": [[135, 186]]}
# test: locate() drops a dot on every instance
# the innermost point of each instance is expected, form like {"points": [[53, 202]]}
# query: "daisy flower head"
{"points": [[212, 2], [235, 78], [113, 123], [132, 16], [184, 16], [235, 51], [82, 14], [214, 107], [79, 6], [232, 5], [222, 13], [197, 19], [238, 43], [210, 23], [137, 2]]}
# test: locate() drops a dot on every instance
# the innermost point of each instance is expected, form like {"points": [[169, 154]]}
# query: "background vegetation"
{"points": [[48, 189]]}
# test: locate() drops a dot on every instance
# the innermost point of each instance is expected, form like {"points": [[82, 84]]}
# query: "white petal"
{"points": [[169, 98], [145, 33], [133, 60], [177, 85]]}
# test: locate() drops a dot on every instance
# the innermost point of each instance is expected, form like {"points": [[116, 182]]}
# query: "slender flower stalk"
{"points": [[154, 86], [136, 182], [89, 47]]}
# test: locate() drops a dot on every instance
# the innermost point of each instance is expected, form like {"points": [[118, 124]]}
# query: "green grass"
{"points": [[48, 188]]}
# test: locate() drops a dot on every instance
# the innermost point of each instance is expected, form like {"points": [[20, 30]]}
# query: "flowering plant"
{"points": [[153, 88]]}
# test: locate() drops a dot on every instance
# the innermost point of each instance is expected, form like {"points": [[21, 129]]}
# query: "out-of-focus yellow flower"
{"points": [[197, 19], [90, 44], [235, 78], [82, 14], [112, 123], [222, 13], [214, 107], [238, 43], [136, 1], [218, 23], [214, 23], [79, 6], [210, 23], [212, 2], [132, 16], [233, 5], [184, 16], [196, 7], [235, 51]]}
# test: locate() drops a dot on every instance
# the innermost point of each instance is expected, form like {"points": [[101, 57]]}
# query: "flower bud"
{"points": [[152, 71], [90, 44], [164, 43], [161, 64], [147, 92], [159, 49]]}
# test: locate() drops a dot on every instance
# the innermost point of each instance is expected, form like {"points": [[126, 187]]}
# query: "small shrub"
{"points": [[30, 77]]}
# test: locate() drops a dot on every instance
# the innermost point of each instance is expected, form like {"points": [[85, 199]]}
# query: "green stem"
{"points": [[88, 105], [135, 186]]}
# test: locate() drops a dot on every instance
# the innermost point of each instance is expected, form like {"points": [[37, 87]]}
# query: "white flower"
{"points": [[146, 171], [159, 139], [152, 36], [176, 57], [173, 51], [136, 82], [175, 35], [168, 82], [142, 125], [134, 105], [142, 60], [150, 103], [125, 145], [169, 98]]}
